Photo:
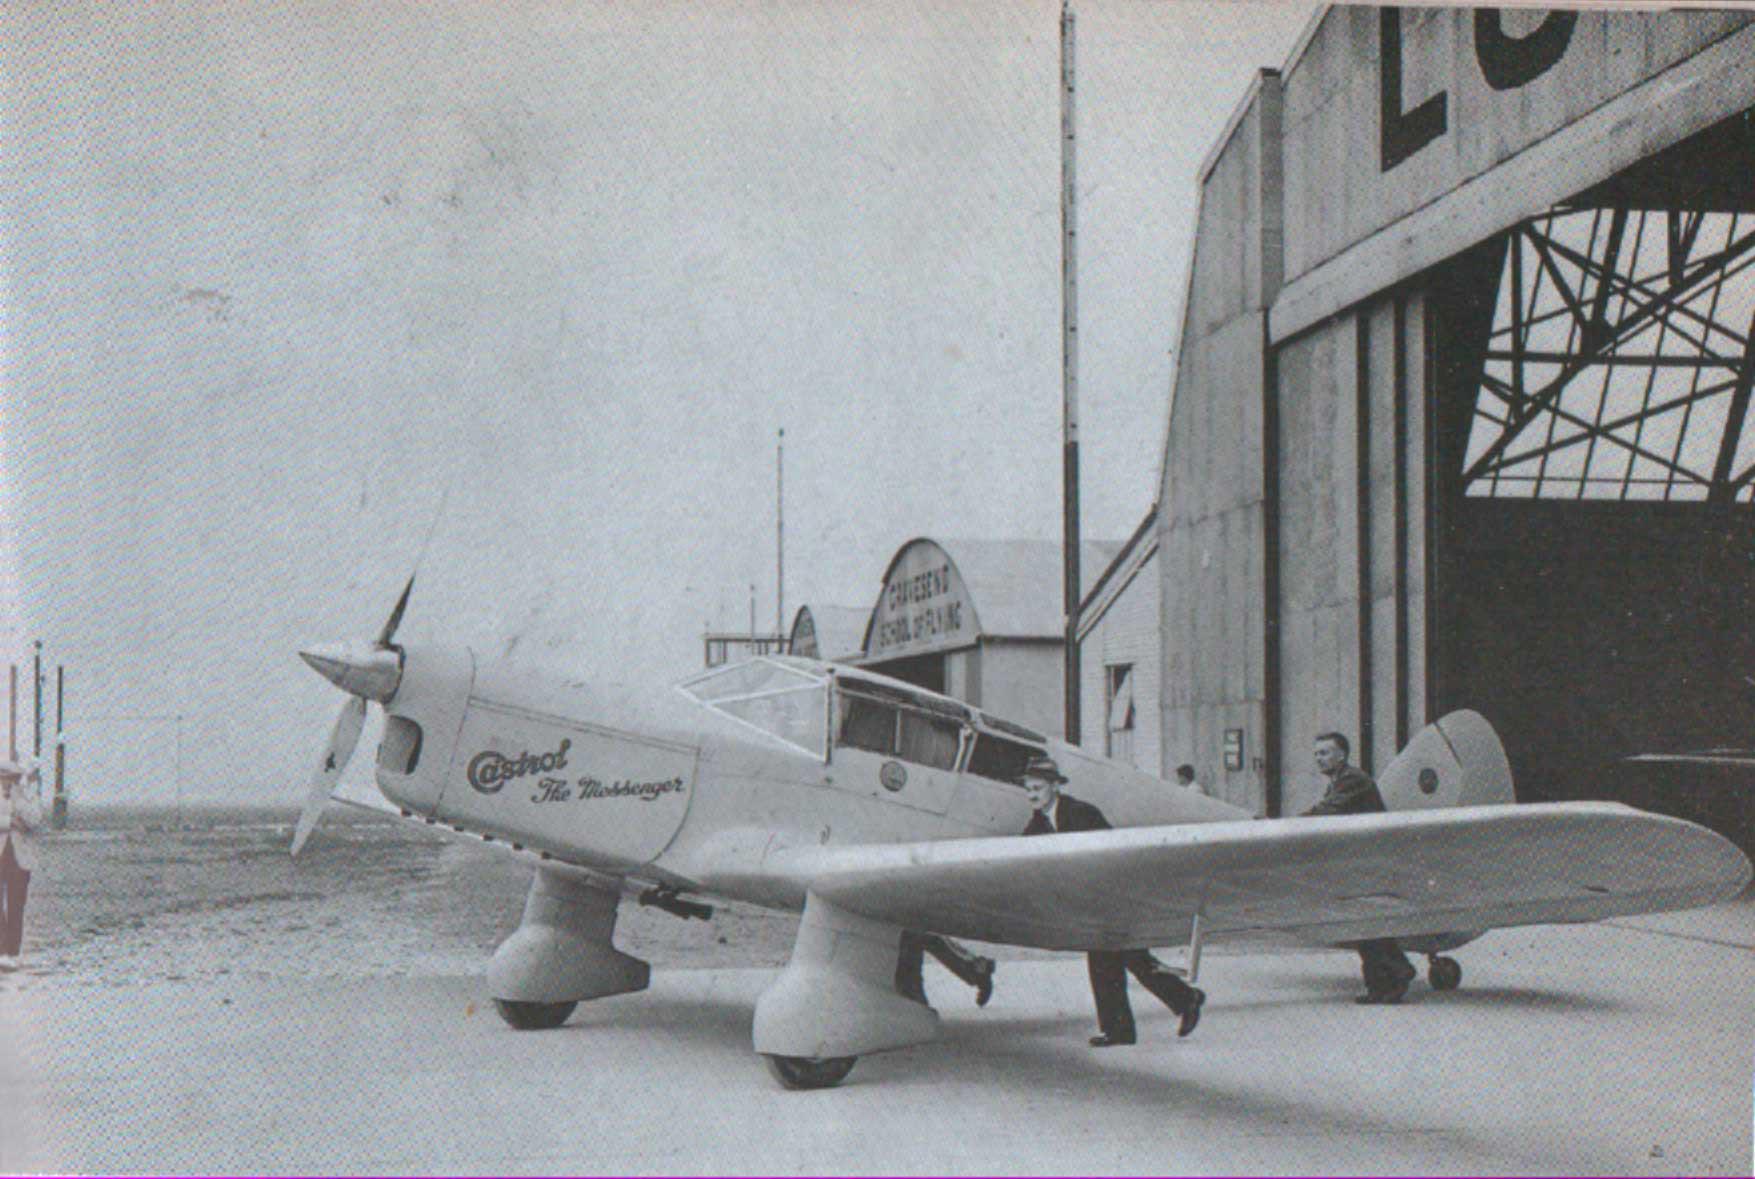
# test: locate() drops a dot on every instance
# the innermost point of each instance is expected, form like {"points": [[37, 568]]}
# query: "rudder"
{"points": [[1456, 761]]}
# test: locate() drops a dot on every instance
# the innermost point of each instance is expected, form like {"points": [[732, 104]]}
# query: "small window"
{"points": [[1118, 730], [867, 724], [878, 726], [930, 741], [999, 759]]}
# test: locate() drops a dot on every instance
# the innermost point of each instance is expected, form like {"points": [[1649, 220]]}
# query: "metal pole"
{"points": [[12, 715], [58, 808], [1069, 288], [1194, 950], [780, 536], [37, 678]]}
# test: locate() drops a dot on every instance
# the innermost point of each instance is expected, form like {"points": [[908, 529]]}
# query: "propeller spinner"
{"points": [[364, 672]]}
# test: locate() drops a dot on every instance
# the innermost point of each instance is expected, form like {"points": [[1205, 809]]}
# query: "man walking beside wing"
{"points": [[1054, 812], [1352, 792]]}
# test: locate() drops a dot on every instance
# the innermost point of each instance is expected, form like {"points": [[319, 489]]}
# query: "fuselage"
{"points": [[694, 785]]}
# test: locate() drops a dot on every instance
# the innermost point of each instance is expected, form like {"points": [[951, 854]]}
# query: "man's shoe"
{"points": [[1191, 1013], [1385, 998], [1110, 1041], [984, 988]]}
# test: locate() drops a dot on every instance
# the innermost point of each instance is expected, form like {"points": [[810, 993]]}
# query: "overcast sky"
{"points": [[276, 275]]}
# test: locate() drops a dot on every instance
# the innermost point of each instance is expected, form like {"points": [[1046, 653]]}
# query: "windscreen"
{"points": [[786, 702]]}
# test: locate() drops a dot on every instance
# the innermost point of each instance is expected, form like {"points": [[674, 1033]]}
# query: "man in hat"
{"points": [[1055, 811]]}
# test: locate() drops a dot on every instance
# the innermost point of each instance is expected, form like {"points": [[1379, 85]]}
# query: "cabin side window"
{"points": [[878, 726], [999, 758], [866, 724], [930, 740]]}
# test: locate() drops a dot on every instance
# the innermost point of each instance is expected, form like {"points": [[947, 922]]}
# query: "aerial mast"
{"points": [[37, 678], [779, 538], [1069, 337]]}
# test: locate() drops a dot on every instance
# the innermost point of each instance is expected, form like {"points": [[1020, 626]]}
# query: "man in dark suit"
{"points": [[1351, 791], [975, 969], [1109, 969]]}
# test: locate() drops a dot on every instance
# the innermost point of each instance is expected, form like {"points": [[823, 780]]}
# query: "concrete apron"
{"points": [[1569, 1050]]}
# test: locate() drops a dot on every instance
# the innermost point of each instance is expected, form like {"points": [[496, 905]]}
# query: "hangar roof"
{"points": [[837, 631], [1013, 586]]}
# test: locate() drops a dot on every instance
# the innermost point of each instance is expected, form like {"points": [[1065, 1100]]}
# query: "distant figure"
{"points": [[1109, 969], [1185, 777], [15, 857], [966, 964], [1352, 792]]}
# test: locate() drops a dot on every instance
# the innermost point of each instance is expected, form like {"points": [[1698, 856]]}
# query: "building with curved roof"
{"points": [[832, 633], [980, 620]]}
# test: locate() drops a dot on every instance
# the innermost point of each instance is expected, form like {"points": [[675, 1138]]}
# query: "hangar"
{"points": [[823, 631], [978, 620], [1459, 414]]}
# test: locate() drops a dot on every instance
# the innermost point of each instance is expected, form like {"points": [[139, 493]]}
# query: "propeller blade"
{"points": [[395, 619], [342, 739]]}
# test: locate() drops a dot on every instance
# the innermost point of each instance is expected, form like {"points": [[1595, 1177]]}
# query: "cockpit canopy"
{"points": [[783, 697], [817, 708]]}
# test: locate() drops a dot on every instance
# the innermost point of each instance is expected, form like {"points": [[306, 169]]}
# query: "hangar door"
{"points": [[1593, 535], [1349, 484]]}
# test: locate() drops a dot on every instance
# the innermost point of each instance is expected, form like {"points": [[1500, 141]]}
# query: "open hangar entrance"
{"points": [[1593, 564], [1460, 422]]}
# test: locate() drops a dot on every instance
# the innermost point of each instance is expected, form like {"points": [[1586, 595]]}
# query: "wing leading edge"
{"points": [[1324, 880]]}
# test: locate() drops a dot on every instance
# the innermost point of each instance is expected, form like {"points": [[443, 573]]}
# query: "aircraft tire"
{"points": [[533, 1017], [1445, 974], [806, 1072]]}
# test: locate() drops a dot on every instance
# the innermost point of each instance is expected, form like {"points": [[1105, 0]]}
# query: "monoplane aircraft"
{"points": [[874, 806]]}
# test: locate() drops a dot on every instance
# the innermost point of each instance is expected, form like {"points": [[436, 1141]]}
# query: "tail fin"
{"points": [[1456, 761]]}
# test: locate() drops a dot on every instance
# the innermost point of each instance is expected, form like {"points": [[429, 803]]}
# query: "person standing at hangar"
{"points": [[1109, 969], [15, 856], [1351, 791]]}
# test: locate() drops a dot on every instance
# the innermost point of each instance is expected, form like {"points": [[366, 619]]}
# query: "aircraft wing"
{"points": [[1701, 757], [1327, 879]]}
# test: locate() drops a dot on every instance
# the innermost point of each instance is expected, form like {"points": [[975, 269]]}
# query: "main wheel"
{"points": [[533, 1017], [1445, 974], [808, 1072]]}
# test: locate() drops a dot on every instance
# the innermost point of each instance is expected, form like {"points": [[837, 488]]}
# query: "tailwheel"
{"points": [[533, 1017], [809, 1072], [1445, 974]]}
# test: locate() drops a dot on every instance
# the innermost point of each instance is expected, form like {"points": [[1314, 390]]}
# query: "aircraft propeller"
{"points": [[365, 673]]}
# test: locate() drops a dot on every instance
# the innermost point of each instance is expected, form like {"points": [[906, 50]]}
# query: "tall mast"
{"points": [[37, 678], [780, 536], [1069, 337]]}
